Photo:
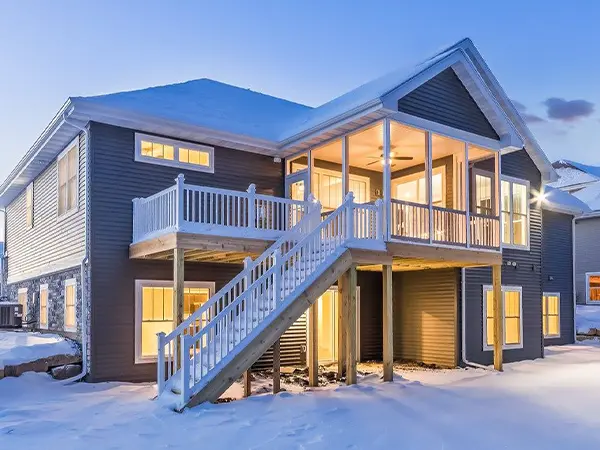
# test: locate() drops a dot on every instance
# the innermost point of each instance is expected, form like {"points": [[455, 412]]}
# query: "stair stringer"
{"points": [[297, 303]]}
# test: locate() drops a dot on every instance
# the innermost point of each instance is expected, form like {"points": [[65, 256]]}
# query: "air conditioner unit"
{"points": [[11, 315]]}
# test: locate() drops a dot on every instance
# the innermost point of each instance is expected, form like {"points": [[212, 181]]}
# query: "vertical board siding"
{"points": [[32, 251], [115, 180], [425, 316], [587, 254], [445, 100], [557, 263], [527, 273]]}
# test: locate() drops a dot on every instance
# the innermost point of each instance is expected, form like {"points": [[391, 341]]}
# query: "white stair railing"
{"points": [[218, 340], [168, 357]]}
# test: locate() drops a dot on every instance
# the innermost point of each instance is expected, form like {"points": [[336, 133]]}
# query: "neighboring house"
{"points": [[583, 182], [106, 246], [2, 274]]}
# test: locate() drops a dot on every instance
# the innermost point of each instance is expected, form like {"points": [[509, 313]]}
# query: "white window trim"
{"points": [[489, 287], [28, 189], [587, 288], [69, 282], [418, 175], [44, 287], [69, 212], [139, 284], [26, 306], [551, 294], [176, 145], [512, 180]]}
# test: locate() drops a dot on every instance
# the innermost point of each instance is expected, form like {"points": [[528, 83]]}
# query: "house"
{"points": [[583, 182], [247, 230]]}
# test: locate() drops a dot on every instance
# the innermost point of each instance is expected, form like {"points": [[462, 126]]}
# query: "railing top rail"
{"points": [[158, 194], [451, 210], [406, 202], [243, 194], [484, 216]]}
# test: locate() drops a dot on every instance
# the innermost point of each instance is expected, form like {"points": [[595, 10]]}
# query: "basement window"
{"points": [[44, 306], [155, 311], [551, 314], [513, 317], [70, 297], [169, 152], [22, 300]]}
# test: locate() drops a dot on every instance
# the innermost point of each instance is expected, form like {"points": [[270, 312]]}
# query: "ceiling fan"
{"points": [[392, 157]]}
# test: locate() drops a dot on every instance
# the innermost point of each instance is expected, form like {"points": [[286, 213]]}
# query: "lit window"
{"points": [[155, 312], [327, 188], [515, 213], [169, 152], [70, 323], [68, 169], [29, 205], [44, 306], [593, 287], [22, 299], [413, 189], [513, 324], [483, 195], [551, 314]]}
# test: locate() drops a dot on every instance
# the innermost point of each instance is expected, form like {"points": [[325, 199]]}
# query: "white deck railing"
{"points": [[411, 221], [201, 209]]}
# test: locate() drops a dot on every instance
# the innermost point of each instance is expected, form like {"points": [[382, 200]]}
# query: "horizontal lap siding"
{"points": [[527, 273], [425, 316], [445, 100], [31, 251], [587, 253], [558, 264], [115, 180]]}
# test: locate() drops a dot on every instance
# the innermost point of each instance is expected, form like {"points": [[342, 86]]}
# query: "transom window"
{"points": [[29, 205], [70, 323], [593, 287], [169, 152], [44, 306], [513, 317], [68, 171], [515, 213], [155, 311], [551, 314]]}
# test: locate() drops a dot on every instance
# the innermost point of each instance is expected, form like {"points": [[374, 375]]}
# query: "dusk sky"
{"points": [[306, 51]]}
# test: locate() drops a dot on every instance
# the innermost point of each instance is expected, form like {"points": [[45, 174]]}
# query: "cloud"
{"points": [[527, 117], [568, 110]]}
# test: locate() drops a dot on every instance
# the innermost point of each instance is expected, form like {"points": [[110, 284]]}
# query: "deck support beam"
{"points": [[388, 325], [351, 327], [313, 345], [178, 287], [277, 366], [247, 383], [498, 316], [342, 319]]}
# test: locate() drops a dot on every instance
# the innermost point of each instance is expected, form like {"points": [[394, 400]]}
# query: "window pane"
{"points": [[407, 191], [594, 288], [146, 148], [489, 307], [519, 229], [483, 194], [204, 159], [436, 189], [184, 155], [490, 331], [147, 303], [505, 196], [512, 304], [553, 305], [148, 337], [519, 198], [512, 329], [73, 166], [506, 227], [553, 326], [169, 152], [168, 303]]}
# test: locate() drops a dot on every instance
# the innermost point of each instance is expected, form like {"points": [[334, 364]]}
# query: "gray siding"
{"points": [[445, 100], [115, 180], [557, 269], [527, 274], [587, 253], [52, 244]]}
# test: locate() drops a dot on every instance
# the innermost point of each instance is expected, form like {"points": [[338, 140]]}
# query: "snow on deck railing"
{"points": [[201, 209]]}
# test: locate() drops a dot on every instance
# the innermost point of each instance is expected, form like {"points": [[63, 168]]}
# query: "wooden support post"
{"points": [[277, 366], [313, 345], [342, 304], [351, 328], [247, 383], [178, 287], [388, 325], [498, 316]]}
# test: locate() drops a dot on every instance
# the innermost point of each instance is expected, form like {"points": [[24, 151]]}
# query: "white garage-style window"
{"points": [[22, 299], [70, 297], [154, 312], [512, 320], [44, 306], [515, 212], [551, 314], [169, 152], [68, 179]]}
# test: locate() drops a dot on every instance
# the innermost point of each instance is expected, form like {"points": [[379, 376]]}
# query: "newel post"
{"points": [[251, 205], [185, 369], [160, 366], [349, 215], [179, 195], [379, 219]]}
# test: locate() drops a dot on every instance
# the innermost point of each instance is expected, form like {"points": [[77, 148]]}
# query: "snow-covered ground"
{"points": [[547, 404], [17, 347], [587, 317]]}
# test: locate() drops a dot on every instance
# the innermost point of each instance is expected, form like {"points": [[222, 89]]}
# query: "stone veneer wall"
{"points": [[56, 299]]}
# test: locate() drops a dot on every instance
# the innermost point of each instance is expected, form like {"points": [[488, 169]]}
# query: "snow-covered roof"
{"points": [[572, 174], [561, 201], [590, 195]]}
